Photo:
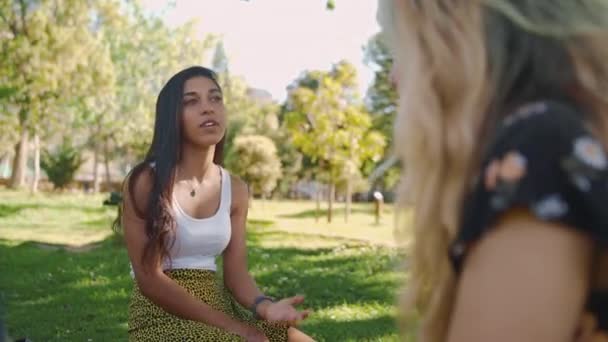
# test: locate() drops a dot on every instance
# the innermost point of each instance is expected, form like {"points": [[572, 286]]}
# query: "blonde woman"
{"points": [[502, 128]]}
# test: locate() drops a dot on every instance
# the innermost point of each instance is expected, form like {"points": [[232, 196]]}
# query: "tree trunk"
{"points": [[96, 178], [3, 160], [106, 157], [250, 194], [318, 198], [36, 178], [20, 161], [349, 196], [330, 200]]}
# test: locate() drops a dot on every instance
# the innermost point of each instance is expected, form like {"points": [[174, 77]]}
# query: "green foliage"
{"points": [[247, 115], [251, 115], [90, 68], [54, 60], [328, 122], [6, 92], [382, 103], [61, 165], [291, 162], [50, 47], [381, 96], [257, 163], [220, 60]]}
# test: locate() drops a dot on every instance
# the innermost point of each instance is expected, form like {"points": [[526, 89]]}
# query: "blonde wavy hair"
{"points": [[462, 64]]}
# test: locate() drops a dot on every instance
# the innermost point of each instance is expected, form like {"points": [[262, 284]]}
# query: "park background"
{"points": [[306, 85]]}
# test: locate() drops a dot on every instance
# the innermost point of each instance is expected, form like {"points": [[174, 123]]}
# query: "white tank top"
{"points": [[198, 242]]}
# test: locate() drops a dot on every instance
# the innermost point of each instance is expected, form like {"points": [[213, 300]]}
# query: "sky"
{"points": [[270, 42]]}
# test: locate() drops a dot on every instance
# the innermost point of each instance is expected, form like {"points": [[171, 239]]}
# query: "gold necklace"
{"points": [[193, 188]]}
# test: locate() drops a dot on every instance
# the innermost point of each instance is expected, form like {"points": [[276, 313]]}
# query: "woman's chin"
{"points": [[205, 142]]}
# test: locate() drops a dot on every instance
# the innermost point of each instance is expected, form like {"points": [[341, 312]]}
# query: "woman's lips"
{"points": [[209, 123]]}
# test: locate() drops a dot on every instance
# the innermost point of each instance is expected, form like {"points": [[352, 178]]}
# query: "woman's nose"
{"points": [[205, 107]]}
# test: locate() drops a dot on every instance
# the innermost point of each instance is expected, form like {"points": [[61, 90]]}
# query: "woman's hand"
{"points": [[285, 311]]}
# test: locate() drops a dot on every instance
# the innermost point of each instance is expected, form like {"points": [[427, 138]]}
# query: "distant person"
{"points": [[503, 128], [181, 210]]}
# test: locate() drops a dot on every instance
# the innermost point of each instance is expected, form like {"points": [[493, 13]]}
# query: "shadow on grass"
{"points": [[51, 294], [261, 223], [100, 222], [337, 212], [7, 210], [11, 209], [327, 279], [70, 248], [377, 328]]}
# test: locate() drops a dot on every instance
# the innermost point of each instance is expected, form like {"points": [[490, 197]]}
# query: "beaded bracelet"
{"points": [[257, 302]]}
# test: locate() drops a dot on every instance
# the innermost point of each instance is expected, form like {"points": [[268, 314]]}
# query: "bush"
{"points": [[61, 166], [255, 160]]}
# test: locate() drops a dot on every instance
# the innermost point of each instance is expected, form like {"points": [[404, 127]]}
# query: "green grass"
{"points": [[75, 219], [65, 278]]}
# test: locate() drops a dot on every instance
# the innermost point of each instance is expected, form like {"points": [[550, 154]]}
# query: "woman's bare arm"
{"points": [[524, 281], [236, 274]]}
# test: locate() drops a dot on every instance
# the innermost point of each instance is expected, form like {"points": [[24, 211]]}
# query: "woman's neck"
{"points": [[195, 162]]}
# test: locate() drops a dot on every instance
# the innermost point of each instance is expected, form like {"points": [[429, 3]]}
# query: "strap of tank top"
{"points": [[226, 200]]}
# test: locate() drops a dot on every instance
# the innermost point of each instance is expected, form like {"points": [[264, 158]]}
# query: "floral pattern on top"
{"points": [[545, 159]]}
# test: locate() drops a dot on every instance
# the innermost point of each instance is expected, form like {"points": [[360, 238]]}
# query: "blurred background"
{"points": [[306, 84]]}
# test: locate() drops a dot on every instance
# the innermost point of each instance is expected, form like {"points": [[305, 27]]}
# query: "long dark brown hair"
{"points": [[162, 158]]}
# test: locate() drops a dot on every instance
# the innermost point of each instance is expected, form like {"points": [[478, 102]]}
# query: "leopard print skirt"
{"points": [[148, 322]]}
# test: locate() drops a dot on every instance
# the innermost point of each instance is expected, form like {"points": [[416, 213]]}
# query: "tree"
{"points": [[248, 115], [258, 163], [61, 166], [381, 101], [329, 123], [8, 125], [49, 44], [291, 160], [220, 59]]}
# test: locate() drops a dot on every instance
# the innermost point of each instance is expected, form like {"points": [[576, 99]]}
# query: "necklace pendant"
{"points": [[192, 193]]}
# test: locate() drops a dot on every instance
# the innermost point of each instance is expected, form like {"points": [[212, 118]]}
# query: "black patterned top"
{"points": [[545, 159]]}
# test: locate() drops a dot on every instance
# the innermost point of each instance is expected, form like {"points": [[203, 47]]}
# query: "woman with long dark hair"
{"points": [[182, 210]]}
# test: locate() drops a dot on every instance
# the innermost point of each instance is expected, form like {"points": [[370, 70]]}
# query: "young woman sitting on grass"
{"points": [[181, 210]]}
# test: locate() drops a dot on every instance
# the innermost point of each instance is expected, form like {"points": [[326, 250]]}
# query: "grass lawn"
{"points": [[64, 277], [299, 217]]}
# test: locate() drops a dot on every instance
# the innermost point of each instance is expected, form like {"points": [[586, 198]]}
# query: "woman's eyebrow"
{"points": [[190, 93]]}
